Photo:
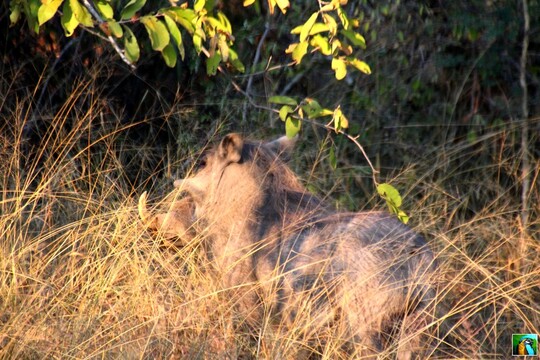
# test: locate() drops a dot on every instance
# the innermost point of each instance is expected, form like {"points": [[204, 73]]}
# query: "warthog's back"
{"points": [[366, 264]]}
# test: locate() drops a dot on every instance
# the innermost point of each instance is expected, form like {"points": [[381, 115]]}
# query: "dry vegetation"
{"points": [[81, 278]]}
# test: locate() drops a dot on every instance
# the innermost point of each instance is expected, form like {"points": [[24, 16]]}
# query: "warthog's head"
{"points": [[239, 178]]}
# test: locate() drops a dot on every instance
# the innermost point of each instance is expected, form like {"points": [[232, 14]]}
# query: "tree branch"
{"points": [[110, 38]]}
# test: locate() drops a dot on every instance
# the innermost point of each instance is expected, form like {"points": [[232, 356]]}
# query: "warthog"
{"points": [[291, 260]]}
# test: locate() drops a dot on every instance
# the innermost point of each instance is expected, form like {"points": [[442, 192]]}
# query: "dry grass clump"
{"points": [[81, 278]]}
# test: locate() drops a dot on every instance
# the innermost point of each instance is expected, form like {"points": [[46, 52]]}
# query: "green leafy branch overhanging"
{"points": [[210, 30], [328, 31]]}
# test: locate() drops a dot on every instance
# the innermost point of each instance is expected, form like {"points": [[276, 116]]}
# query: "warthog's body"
{"points": [[287, 257]]}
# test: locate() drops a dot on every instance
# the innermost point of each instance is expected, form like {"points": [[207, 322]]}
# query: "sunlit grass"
{"points": [[80, 277]]}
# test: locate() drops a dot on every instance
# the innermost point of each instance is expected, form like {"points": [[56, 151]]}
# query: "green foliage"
{"points": [[283, 100], [209, 29], [105, 9], [393, 200], [131, 8], [157, 32], [47, 11], [340, 67], [131, 45], [330, 39], [68, 20], [328, 31], [292, 126], [292, 112], [81, 13], [212, 64]]}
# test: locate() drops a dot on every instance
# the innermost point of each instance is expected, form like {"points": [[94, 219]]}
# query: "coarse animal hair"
{"points": [[282, 252]]}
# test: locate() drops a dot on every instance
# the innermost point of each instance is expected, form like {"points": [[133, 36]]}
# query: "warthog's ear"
{"points": [[230, 148], [283, 145]]}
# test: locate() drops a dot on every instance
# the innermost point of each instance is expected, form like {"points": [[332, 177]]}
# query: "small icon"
{"points": [[524, 344]]}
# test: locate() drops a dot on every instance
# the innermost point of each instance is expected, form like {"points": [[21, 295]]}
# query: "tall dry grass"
{"points": [[81, 278]]}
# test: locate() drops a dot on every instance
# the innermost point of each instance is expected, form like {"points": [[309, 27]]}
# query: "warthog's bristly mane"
{"points": [[283, 190]]}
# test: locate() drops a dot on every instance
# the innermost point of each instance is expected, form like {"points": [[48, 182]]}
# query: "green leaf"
{"points": [[169, 55], [330, 6], [402, 216], [223, 48], [199, 28], [311, 107], [283, 5], [157, 31], [299, 51], [292, 127], [224, 22], [314, 109], [199, 35], [81, 13], [322, 44], [68, 20], [331, 23], [340, 121], [282, 100], [355, 38], [340, 67], [235, 61], [198, 5], [360, 65], [31, 8], [212, 63], [105, 9], [115, 28], [184, 17], [291, 48], [343, 18], [175, 34], [15, 12], [343, 122], [335, 45], [47, 10], [332, 158], [315, 29], [131, 45], [306, 28], [390, 194], [197, 43], [131, 8], [285, 111], [393, 200], [215, 26]]}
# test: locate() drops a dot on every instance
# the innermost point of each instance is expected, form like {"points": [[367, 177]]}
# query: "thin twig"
{"points": [[292, 83], [525, 162], [255, 62], [257, 56], [110, 38], [266, 70]]}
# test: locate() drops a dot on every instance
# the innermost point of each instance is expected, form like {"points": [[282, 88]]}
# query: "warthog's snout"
{"points": [[175, 223]]}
